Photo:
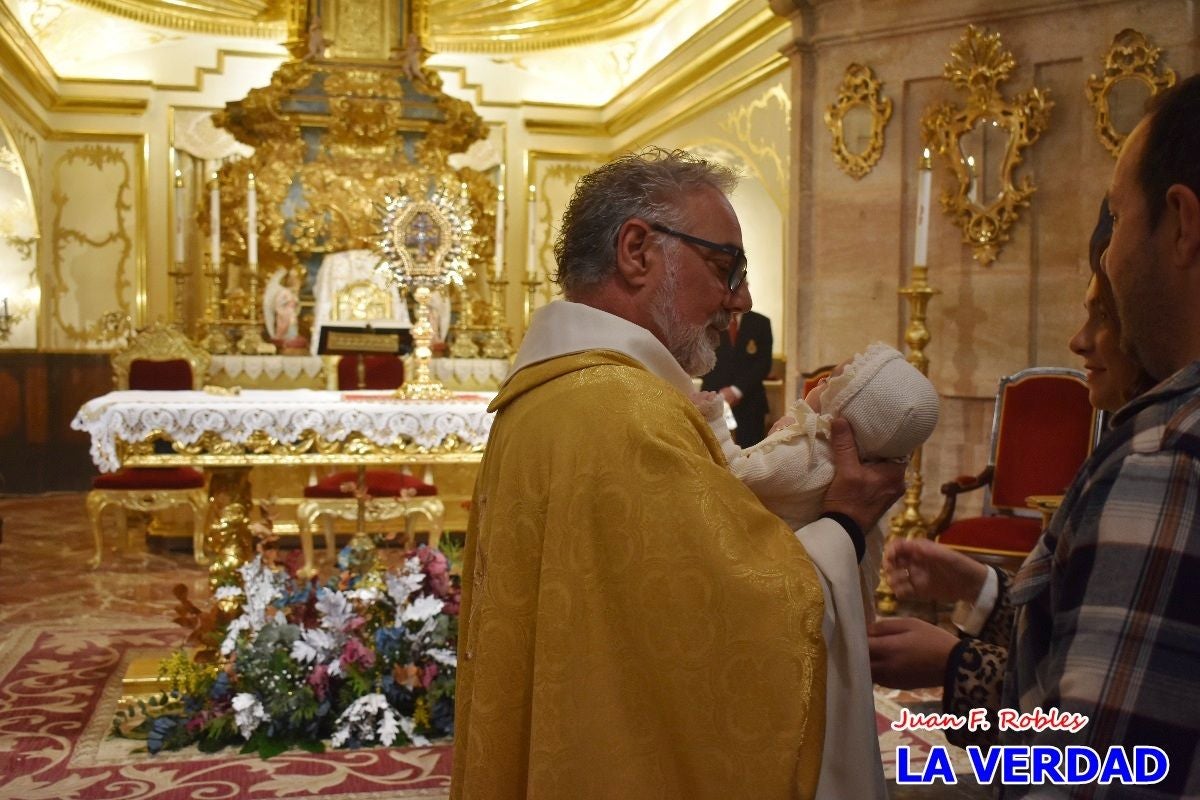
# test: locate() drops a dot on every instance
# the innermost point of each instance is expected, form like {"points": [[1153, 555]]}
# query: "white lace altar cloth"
{"points": [[271, 366], [466, 373], [132, 416]]}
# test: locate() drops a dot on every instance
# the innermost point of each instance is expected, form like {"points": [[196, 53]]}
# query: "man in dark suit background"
{"points": [[743, 362]]}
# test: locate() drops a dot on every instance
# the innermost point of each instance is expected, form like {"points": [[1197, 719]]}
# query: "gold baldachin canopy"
{"points": [[466, 26]]}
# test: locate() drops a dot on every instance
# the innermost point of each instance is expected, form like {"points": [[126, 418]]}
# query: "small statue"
{"points": [[281, 311], [414, 58], [316, 40]]}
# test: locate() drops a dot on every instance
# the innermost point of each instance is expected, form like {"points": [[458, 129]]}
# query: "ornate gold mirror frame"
{"points": [[978, 64], [859, 92], [1130, 64]]}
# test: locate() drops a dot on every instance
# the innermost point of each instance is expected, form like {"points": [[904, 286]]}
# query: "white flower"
{"points": [[409, 727], [388, 727], [262, 587], [443, 655], [314, 644], [368, 596], [335, 610], [423, 608], [238, 625], [227, 592], [249, 713], [401, 586], [368, 717]]}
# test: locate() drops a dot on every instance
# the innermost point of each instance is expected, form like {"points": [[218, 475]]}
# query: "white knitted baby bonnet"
{"points": [[892, 407]]}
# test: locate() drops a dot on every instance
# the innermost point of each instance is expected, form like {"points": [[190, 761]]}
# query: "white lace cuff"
{"points": [[971, 617]]}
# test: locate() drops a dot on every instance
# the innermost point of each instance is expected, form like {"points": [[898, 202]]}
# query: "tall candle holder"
{"points": [[216, 341], [179, 274], [251, 341], [531, 283], [909, 523], [464, 345], [496, 344]]}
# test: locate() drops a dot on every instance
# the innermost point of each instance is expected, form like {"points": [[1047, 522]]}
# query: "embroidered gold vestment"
{"points": [[634, 623]]}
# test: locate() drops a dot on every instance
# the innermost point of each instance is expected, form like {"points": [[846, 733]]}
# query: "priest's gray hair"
{"points": [[647, 185]]}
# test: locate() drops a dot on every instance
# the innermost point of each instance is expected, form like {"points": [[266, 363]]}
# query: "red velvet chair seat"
{"points": [[380, 372], [171, 375], [996, 534], [380, 483], [134, 478]]}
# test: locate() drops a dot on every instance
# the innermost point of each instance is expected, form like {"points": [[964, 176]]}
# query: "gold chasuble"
{"points": [[634, 623]]}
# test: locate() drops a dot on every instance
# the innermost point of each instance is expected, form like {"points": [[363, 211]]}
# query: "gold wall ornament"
{"points": [[982, 142], [857, 119], [1131, 77]]}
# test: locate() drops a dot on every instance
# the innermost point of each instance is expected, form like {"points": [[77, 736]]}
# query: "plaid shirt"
{"points": [[1108, 603]]}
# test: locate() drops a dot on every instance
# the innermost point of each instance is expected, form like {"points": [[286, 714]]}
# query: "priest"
{"points": [[635, 623]]}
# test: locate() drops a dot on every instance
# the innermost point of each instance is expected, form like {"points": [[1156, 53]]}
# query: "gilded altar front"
{"points": [[280, 433]]}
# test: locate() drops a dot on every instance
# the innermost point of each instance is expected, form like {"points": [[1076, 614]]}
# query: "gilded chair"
{"points": [[391, 495], [1043, 428], [159, 358]]}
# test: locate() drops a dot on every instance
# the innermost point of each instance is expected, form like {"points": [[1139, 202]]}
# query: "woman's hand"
{"points": [[918, 569], [908, 653]]}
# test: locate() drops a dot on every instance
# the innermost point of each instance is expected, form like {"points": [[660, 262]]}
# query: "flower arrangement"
{"points": [[280, 662]]}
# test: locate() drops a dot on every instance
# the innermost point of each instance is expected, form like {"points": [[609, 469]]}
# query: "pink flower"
{"points": [[428, 673], [437, 570], [319, 680], [356, 653]]}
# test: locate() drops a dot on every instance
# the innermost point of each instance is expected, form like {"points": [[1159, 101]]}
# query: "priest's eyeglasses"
{"points": [[737, 267]]}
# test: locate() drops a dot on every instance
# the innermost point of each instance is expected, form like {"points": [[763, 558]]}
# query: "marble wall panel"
{"points": [[987, 321]]}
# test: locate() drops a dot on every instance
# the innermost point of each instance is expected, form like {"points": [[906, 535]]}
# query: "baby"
{"points": [[892, 408]]}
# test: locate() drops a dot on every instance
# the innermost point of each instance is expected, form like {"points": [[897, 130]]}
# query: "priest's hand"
{"points": [[861, 491], [908, 653], [918, 569]]}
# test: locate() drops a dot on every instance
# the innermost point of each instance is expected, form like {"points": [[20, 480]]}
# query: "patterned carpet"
{"points": [[68, 634]]}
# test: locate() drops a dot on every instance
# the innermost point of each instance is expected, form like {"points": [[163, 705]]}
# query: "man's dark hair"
{"points": [[1172, 151]]}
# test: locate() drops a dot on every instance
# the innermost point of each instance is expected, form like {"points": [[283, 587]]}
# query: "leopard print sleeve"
{"points": [[974, 679]]}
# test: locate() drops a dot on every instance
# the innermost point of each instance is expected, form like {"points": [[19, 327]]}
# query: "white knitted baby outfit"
{"points": [[892, 408]]}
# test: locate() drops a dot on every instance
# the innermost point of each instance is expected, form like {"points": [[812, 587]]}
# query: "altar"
{"points": [[228, 433]]}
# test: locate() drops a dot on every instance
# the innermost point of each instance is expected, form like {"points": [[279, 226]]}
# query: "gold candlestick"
{"points": [[908, 523], [179, 274], [496, 344], [215, 339], [252, 342], [531, 283]]}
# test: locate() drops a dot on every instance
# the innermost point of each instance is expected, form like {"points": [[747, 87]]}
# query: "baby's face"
{"points": [[813, 398]]}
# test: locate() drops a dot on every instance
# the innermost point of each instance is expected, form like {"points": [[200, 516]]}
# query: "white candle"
{"points": [[500, 228], [532, 260], [252, 224], [179, 217], [974, 191], [924, 184], [214, 221]]}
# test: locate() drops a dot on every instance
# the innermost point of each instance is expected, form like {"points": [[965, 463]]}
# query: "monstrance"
{"points": [[426, 243]]}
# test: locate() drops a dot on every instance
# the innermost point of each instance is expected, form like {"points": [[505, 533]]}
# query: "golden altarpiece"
{"points": [[352, 118]]}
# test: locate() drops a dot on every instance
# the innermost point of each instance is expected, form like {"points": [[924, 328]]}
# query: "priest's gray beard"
{"points": [[693, 346]]}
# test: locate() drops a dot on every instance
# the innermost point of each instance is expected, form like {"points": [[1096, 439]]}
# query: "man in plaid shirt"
{"points": [[1107, 620]]}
